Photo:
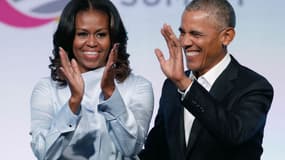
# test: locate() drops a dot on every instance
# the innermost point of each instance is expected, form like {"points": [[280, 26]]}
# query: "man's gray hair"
{"points": [[222, 10]]}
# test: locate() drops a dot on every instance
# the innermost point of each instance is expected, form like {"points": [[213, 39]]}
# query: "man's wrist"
{"points": [[184, 84]]}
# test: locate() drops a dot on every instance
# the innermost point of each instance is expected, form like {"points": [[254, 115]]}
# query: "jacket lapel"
{"points": [[195, 130], [219, 90], [223, 85], [176, 132], [174, 122]]}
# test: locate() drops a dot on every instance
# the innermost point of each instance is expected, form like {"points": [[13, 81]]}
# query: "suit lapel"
{"points": [[195, 130], [223, 84], [219, 90], [174, 123]]}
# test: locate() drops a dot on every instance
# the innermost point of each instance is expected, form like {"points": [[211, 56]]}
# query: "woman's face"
{"points": [[92, 40]]}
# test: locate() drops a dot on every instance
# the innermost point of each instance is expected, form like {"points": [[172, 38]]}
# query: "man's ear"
{"points": [[228, 35]]}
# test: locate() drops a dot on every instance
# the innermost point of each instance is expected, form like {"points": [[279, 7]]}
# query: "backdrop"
{"points": [[27, 26]]}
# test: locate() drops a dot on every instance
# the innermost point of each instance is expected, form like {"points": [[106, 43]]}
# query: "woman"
{"points": [[92, 106]]}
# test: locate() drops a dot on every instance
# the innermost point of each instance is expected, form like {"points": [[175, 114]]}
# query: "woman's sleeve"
{"points": [[129, 121], [49, 125]]}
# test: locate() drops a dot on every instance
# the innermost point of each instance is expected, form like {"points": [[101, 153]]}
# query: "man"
{"points": [[218, 109]]}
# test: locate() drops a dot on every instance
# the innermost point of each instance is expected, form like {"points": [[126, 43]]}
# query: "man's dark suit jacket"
{"points": [[229, 120]]}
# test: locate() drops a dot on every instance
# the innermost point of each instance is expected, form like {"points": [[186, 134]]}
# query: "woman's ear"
{"points": [[228, 35]]}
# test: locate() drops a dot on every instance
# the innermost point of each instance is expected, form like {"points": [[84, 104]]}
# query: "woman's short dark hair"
{"points": [[65, 32]]}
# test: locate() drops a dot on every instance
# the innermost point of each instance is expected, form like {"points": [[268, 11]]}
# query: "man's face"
{"points": [[201, 39]]}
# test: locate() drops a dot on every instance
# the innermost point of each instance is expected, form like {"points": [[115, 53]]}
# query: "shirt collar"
{"points": [[208, 79], [93, 75]]}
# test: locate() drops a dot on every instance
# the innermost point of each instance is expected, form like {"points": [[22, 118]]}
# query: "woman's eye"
{"points": [[101, 35], [82, 34]]}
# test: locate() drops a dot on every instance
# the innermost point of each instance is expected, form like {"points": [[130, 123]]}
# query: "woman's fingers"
{"points": [[75, 67], [65, 64], [69, 69], [63, 58], [111, 63], [107, 83]]}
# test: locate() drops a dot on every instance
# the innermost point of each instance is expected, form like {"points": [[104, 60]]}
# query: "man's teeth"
{"points": [[192, 53], [93, 53]]}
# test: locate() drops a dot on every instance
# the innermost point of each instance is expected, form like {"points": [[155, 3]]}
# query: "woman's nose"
{"points": [[91, 41]]}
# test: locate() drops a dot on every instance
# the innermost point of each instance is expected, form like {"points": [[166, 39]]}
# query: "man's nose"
{"points": [[186, 40]]}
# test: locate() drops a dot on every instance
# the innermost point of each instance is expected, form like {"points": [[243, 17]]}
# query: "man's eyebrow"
{"points": [[181, 30]]}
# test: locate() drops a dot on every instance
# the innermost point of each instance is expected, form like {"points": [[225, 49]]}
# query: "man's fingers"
{"points": [[166, 38], [172, 36], [159, 56], [171, 40]]}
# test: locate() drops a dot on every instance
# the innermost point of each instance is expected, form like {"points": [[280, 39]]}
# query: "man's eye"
{"points": [[182, 34], [196, 34]]}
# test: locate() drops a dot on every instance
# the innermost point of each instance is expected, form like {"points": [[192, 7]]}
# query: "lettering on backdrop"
{"points": [[152, 3], [13, 16]]}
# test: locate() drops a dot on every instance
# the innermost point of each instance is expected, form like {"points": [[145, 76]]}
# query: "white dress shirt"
{"points": [[112, 129], [206, 80]]}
